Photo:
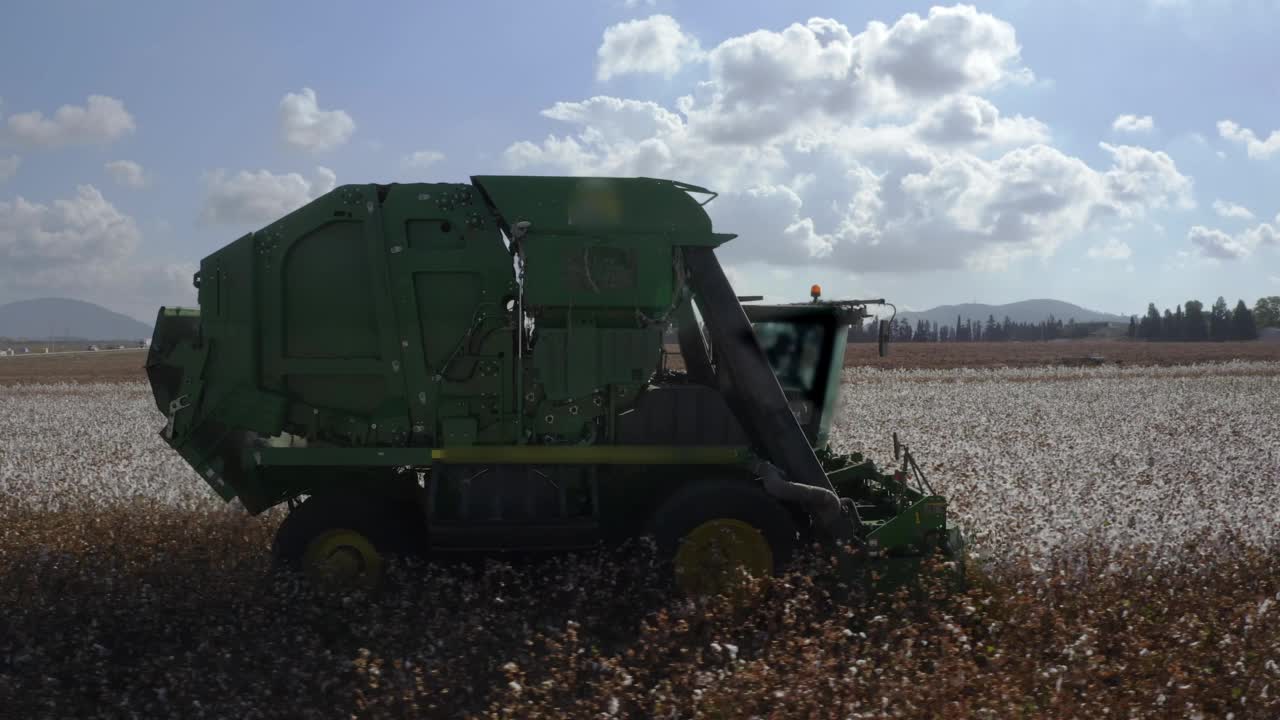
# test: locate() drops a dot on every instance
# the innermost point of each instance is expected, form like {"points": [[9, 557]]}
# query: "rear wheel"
{"points": [[712, 530], [347, 538]]}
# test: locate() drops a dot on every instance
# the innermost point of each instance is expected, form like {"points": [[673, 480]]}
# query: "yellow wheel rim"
{"points": [[345, 557], [711, 555]]}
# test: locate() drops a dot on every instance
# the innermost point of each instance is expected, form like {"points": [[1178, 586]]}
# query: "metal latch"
{"points": [[175, 405]]}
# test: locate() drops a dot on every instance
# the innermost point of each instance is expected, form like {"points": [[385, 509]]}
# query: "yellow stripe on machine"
{"points": [[502, 455], [591, 454]]}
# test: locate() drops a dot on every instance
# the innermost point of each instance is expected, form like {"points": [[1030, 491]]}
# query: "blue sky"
{"points": [[951, 156]]}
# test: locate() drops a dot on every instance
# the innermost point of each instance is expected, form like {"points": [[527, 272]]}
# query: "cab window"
{"points": [[794, 351]]}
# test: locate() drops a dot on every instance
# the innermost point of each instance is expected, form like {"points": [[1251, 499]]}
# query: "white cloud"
{"points": [[765, 84], [260, 197], [953, 49], [966, 119], [9, 167], [1133, 123], [1253, 146], [653, 45], [80, 230], [638, 3], [101, 120], [304, 125], [616, 118], [127, 173], [867, 152], [1231, 210], [1111, 249], [1146, 176], [1218, 244], [422, 159]]}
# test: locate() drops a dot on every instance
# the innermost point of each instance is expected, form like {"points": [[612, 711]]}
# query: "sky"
{"points": [[1106, 154]]}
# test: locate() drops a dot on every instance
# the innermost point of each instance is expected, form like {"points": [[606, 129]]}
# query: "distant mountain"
{"points": [[61, 318], [1025, 311]]}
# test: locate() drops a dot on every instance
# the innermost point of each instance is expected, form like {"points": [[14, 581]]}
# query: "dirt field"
{"points": [[1028, 354], [125, 365], [109, 366]]}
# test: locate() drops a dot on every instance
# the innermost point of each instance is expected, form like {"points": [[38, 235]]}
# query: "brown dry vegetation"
{"points": [[121, 366], [153, 612], [1029, 354], [87, 367]]}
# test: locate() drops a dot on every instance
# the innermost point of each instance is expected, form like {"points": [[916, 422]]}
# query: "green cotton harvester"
{"points": [[450, 368]]}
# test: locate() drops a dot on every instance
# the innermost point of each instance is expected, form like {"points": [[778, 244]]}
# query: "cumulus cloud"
{"points": [[422, 159], [1111, 249], [259, 197], [1231, 210], [1133, 123], [953, 49], [127, 173], [855, 198], [100, 120], [82, 246], [82, 229], [653, 45], [870, 152], [1140, 176], [1255, 147], [9, 167], [304, 125], [1217, 244], [765, 84], [967, 119]]}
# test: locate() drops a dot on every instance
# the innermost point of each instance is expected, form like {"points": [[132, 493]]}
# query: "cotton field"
{"points": [[1035, 460], [1031, 459], [1124, 525]]}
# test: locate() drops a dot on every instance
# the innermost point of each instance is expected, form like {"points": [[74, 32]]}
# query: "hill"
{"points": [[62, 318], [1024, 311]]}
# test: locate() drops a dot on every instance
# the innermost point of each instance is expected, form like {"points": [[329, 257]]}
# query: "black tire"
{"points": [[692, 505], [394, 527]]}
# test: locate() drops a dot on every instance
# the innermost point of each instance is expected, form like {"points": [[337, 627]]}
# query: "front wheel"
{"points": [[710, 531], [346, 538]]}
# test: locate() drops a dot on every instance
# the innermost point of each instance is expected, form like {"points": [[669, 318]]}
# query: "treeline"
{"points": [[1193, 323], [1188, 321], [970, 330]]}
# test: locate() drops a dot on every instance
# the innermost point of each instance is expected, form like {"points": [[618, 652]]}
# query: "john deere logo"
{"points": [[594, 203]]}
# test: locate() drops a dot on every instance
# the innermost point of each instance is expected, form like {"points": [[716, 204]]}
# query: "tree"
{"points": [[1267, 312], [1180, 326], [1219, 320], [1169, 326], [1150, 327], [1196, 328], [1133, 326], [1242, 323]]}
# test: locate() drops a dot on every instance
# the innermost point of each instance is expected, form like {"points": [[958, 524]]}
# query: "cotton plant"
{"points": [[66, 446], [1122, 523], [1038, 460]]}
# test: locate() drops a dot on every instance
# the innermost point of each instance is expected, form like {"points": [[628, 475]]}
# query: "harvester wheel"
{"points": [[708, 530], [346, 538]]}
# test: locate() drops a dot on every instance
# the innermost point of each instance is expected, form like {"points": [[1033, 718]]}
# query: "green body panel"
{"points": [[510, 325]]}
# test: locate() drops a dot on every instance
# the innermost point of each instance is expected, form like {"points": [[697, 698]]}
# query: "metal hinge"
{"points": [[175, 405]]}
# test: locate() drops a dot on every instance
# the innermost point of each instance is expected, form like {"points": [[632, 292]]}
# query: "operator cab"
{"points": [[805, 344]]}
